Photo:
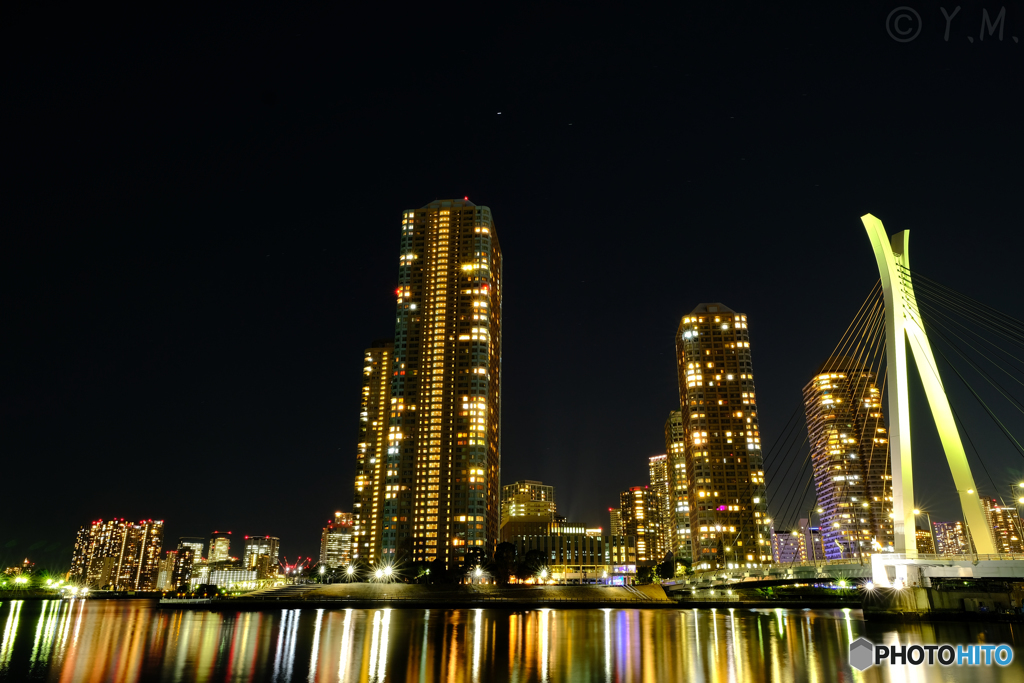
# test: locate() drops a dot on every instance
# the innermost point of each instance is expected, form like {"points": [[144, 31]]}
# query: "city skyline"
{"points": [[195, 270]]}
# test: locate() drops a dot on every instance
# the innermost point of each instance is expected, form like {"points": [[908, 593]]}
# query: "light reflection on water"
{"points": [[128, 641]]}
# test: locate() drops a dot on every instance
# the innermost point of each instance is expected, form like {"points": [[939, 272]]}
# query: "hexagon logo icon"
{"points": [[861, 653]]}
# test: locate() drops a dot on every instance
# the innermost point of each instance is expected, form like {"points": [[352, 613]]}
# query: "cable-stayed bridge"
{"points": [[846, 454]]}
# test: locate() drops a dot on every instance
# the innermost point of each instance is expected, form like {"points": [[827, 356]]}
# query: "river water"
{"points": [[121, 641]]}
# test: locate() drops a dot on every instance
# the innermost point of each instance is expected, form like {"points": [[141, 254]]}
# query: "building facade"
{"points": [[801, 544], [950, 538], [184, 560], [118, 555], [849, 442], [729, 524], [220, 546], [679, 499], [615, 521], [660, 473], [165, 571], [378, 486], [336, 541], [584, 557], [194, 543], [1005, 526], [640, 511], [527, 498], [265, 548], [441, 462]]}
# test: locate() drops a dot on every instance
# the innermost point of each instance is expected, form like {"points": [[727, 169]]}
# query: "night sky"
{"points": [[201, 219]]}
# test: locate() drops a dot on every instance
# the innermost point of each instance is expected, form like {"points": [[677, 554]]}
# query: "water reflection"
{"points": [[129, 641]]}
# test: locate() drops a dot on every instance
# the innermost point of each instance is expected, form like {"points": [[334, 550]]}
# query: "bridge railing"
{"points": [[960, 558]]}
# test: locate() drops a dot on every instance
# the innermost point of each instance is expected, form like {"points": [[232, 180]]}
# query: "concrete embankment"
{"points": [[448, 596], [933, 604]]}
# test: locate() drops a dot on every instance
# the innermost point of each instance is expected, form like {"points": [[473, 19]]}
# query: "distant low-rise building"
{"points": [[590, 559], [801, 544], [226, 578]]}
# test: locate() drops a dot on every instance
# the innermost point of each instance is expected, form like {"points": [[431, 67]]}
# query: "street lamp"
{"points": [[931, 531]]}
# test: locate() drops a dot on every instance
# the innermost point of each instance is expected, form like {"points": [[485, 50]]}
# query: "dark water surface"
{"points": [[123, 641]]}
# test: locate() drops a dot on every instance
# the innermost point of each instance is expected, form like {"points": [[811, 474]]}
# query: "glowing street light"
{"points": [[379, 573], [322, 569], [350, 570], [387, 571]]}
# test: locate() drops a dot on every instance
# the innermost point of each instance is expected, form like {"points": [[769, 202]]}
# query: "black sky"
{"points": [[201, 215]]}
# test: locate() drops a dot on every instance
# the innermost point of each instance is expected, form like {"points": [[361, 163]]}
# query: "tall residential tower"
{"points": [[679, 499], [849, 452], [724, 466], [441, 461], [378, 484]]}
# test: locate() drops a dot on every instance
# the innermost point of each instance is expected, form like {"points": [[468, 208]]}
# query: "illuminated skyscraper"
{"points": [[679, 500], [849, 445], [441, 464], [724, 467], [665, 530], [615, 521], [1005, 525], [378, 483], [336, 541], [194, 543], [257, 547], [639, 509], [220, 546], [119, 555]]}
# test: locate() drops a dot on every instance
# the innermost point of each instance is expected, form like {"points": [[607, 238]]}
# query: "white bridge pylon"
{"points": [[903, 325]]}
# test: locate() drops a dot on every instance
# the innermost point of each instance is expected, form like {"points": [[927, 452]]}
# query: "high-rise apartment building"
{"points": [[848, 438], [615, 521], [950, 538], [118, 555], [679, 499], [660, 472], [257, 547], [336, 545], [724, 467], [1005, 525], [379, 485], [165, 571], [639, 511], [184, 561], [442, 459], [194, 543], [220, 546]]}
